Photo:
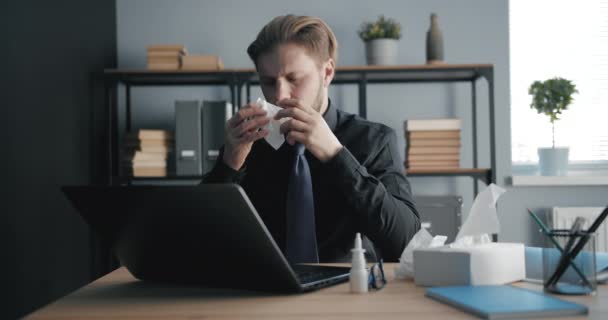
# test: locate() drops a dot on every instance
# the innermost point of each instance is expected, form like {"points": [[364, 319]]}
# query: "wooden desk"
{"points": [[119, 295]]}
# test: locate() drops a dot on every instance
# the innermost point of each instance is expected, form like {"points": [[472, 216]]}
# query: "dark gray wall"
{"points": [[49, 52]]}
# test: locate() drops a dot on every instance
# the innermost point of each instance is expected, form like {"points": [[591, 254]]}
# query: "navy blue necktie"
{"points": [[301, 233]]}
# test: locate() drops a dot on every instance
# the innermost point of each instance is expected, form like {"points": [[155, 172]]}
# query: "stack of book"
{"points": [[197, 62], [165, 56], [432, 144], [147, 152]]}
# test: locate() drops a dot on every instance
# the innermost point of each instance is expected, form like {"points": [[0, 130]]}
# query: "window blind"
{"points": [[568, 39]]}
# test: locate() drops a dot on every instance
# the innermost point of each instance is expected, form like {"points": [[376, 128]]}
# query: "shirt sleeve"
{"points": [[222, 173], [380, 194]]}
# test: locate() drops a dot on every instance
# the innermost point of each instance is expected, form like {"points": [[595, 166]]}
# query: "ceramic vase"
{"points": [[434, 42]]}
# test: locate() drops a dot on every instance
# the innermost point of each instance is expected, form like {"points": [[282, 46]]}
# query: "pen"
{"points": [[547, 233], [576, 227], [581, 243]]}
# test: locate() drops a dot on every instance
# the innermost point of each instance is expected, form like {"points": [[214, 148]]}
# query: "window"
{"points": [[568, 39]]}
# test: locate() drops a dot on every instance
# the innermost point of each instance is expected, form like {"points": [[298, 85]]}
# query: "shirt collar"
{"points": [[331, 116]]}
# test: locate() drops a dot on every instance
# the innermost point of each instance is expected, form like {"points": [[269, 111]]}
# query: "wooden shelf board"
{"points": [[453, 171], [484, 174], [426, 67]]}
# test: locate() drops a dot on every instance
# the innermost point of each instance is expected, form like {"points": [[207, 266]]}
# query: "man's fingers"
{"points": [[251, 136], [260, 134], [292, 113], [253, 124], [296, 136], [247, 112], [294, 103], [293, 125]]}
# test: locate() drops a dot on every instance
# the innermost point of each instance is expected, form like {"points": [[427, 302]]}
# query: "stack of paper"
{"points": [[147, 152], [165, 56], [201, 63], [432, 144]]}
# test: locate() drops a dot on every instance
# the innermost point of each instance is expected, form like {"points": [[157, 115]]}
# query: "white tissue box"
{"points": [[492, 263]]}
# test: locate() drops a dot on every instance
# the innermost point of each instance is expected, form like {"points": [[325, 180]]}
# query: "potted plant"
{"points": [[380, 39], [551, 97]]}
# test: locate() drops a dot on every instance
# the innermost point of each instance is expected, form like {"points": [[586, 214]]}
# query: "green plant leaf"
{"points": [[383, 28], [551, 97]]}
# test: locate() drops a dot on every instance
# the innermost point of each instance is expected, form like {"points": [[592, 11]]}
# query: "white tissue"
{"points": [[470, 241], [422, 239], [482, 219], [274, 137]]}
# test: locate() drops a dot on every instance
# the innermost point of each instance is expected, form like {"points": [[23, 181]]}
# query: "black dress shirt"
{"points": [[362, 189]]}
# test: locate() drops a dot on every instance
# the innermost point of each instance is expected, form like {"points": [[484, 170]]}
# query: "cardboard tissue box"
{"points": [[493, 263], [470, 260]]}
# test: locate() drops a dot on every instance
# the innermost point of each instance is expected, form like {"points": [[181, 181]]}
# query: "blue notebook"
{"points": [[504, 302]]}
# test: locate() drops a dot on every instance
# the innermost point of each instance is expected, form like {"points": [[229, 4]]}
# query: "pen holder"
{"points": [[569, 262]]}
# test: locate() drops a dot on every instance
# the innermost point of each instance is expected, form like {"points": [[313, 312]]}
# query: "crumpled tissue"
{"points": [[274, 137], [422, 239], [480, 223], [482, 219]]}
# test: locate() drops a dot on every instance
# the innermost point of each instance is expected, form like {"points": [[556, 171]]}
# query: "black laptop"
{"points": [[209, 235]]}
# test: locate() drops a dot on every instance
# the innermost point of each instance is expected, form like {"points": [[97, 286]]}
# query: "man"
{"points": [[350, 177]]}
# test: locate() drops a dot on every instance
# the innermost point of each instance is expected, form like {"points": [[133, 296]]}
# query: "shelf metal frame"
{"points": [[362, 76]]}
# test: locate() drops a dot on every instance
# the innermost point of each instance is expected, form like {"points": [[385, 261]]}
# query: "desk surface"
{"points": [[119, 295]]}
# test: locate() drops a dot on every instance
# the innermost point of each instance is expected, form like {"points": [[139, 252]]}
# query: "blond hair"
{"points": [[309, 32]]}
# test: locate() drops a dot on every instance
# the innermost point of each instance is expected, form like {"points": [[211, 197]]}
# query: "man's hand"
{"points": [[308, 127], [242, 130]]}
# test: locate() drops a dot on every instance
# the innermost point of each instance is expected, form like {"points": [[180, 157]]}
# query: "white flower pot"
{"points": [[381, 51], [553, 161]]}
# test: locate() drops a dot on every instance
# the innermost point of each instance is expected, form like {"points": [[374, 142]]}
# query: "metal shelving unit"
{"points": [[362, 76]]}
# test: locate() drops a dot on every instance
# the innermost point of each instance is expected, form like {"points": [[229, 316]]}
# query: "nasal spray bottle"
{"points": [[358, 272]]}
